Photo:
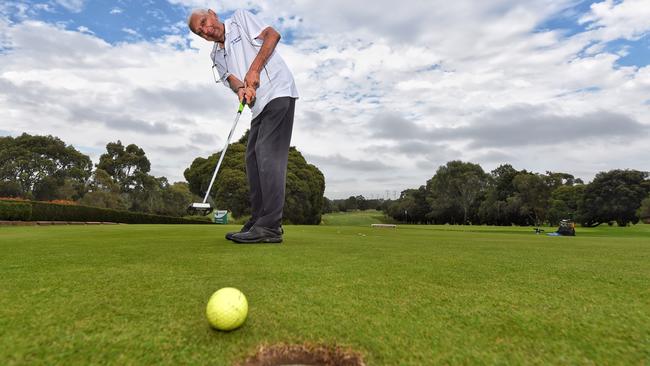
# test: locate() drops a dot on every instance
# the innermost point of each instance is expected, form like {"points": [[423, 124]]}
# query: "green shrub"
{"points": [[45, 211], [15, 210]]}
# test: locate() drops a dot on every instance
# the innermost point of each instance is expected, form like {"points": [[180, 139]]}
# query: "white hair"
{"points": [[195, 12]]}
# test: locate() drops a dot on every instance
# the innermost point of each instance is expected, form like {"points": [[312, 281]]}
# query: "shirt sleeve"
{"points": [[250, 23]]}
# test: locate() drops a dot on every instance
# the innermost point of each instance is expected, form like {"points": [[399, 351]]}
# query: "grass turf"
{"points": [[355, 218], [416, 295]]}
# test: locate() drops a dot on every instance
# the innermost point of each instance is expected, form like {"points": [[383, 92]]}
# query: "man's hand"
{"points": [[241, 92], [252, 79], [249, 93]]}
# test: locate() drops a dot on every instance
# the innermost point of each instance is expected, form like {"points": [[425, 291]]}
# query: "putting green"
{"points": [[136, 294]]}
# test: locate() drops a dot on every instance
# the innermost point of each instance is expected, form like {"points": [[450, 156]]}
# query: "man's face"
{"points": [[207, 26]]}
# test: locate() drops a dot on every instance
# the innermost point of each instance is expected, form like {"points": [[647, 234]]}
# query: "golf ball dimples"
{"points": [[227, 309]]}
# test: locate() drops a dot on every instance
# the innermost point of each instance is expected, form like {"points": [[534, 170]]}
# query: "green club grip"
{"points": [[241, 105]]}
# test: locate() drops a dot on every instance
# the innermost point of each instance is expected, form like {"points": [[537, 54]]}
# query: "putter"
{"points": [[204, 207]]}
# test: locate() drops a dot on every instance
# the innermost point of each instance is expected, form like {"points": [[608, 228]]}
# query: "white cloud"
{"points": [[86, 30], [74, 6], [89, 93], [130, 31], [611, 20], [116, 11], [18, 10], [370, 75], [45, 7]]}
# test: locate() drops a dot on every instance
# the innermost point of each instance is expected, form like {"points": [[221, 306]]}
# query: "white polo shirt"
{"points": [[241, 46]]}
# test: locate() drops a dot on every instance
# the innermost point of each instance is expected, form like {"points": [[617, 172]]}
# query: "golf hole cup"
{"points": [[227, 309]]}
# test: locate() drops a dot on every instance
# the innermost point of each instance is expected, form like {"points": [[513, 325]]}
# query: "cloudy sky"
{"points": [[389, 90]]}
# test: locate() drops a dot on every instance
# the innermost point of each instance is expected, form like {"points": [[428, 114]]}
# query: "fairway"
{"points": [[355, 218], [415, 295]]}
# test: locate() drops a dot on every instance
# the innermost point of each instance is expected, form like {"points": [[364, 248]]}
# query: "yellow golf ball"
{"points": [[227, 309]]}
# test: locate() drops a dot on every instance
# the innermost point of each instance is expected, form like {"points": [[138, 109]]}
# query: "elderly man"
{"points": [[246, 61]]}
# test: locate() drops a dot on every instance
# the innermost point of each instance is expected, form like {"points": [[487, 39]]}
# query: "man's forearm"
{"points": [[234, 83], [271, 38]]}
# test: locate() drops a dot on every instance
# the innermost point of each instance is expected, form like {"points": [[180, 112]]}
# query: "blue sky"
{"points": [[638, 52], [133, 21], [568, 19], [388, 94], [113, 21]]}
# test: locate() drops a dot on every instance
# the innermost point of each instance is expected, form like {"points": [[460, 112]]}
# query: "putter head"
{"points": [[199, 208]]}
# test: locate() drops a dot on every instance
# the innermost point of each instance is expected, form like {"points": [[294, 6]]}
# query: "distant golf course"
{"points": [[415, 295]]}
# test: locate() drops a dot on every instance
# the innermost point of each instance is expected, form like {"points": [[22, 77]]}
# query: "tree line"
{"points": [[353, 203], [44, 168], [462, 193]]}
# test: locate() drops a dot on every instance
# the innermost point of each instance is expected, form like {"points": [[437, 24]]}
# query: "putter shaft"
{"points": [[225, 148]]}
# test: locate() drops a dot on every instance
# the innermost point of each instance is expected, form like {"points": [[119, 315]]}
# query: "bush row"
{"points": [[15, 211], [45, 211]]}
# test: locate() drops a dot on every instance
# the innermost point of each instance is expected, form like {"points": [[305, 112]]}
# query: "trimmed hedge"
{"points": [[45, 211], [15, 211]]}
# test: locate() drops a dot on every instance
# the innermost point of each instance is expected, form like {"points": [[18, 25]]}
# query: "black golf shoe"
{"points": [[258, 234], [247, 226]]}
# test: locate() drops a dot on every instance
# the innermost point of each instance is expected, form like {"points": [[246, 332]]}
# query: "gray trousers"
{"points": [[266, 160]]}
